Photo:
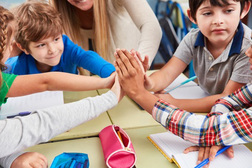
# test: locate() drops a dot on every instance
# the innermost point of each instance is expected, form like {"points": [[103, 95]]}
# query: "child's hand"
{"points": [[30, 160], [116, 88], [148, 83], [208, 152], [109, 81], [130, 73]]}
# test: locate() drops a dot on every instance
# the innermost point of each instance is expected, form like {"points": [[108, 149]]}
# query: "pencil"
{"points": [[185, 82], [204, 162]]}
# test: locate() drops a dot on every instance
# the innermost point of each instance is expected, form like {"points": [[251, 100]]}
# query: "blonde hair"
{"points": [[5, 30], [71, 24], [36, 20]]}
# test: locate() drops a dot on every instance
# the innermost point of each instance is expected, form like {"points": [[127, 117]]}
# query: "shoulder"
{"points": [[16, 61], [247, 33], [191, 36]]}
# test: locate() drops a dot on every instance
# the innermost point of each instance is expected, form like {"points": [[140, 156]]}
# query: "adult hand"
{"points": [[208, 152], [144, 63], [30, 160]]}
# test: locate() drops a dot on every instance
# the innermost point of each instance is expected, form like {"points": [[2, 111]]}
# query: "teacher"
{"points": [[104, 25]]}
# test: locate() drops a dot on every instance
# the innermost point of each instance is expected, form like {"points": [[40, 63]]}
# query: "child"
{"points": [[45, 49], [40, 126], [217, 49], [223, 126]]}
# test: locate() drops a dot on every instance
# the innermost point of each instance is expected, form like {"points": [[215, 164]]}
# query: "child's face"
{"points": [[249, 54], [47, 51], [83, 5], [218, 24]]}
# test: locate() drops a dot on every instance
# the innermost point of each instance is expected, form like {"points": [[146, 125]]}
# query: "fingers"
{"points": [[201, 155], [41, 161], [230, 152], [191, 149], [138, 58], [120, 66], [213, 151]]}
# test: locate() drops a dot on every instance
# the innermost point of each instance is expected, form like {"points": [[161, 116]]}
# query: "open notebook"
{"points": [[172, 147], [189, 90], [31, 103]]}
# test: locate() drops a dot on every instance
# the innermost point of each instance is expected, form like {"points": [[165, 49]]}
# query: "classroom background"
{"points": [[158, 61]]}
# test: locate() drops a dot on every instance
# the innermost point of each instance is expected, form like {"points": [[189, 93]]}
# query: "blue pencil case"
{"points": [[71, 160]]}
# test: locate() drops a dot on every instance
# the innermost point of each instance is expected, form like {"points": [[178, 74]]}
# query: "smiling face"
{"points": [[218, 24], [47, 52], [84, 5]]}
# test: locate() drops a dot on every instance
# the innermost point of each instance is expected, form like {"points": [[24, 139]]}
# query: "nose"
{"points": [[218, 19], [51, 49]]}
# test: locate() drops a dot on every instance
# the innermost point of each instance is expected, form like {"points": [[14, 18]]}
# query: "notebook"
{"points": [[189, 90], [172, 147], [31, 103]]}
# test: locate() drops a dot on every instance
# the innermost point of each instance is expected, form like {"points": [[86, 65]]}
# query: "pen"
{"points": [[20, 114], [204, 162], [186, 81]]}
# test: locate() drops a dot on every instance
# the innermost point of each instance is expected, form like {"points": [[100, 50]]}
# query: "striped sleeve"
{"points": [[228, 127]]}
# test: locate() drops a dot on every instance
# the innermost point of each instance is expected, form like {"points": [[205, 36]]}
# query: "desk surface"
{"points": [[90, 128], [127, 114], [147, 153]]}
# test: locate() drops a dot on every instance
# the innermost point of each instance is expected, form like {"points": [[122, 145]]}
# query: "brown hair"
{"points": [[195, 4], [5, 30], [71, 24], [36, 20]]}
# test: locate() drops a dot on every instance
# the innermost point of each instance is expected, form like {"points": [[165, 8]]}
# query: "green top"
{"points": [[7, 80]]}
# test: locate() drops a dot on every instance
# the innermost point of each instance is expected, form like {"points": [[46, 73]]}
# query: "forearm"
{"points": [[22, 132], [145, 99], [167, 74], [202, 105], [147, 23], [205, 130], [53, 81], [235, 101]]}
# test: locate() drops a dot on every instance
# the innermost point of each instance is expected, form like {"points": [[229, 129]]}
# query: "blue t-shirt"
{"points": [[72, 57]]}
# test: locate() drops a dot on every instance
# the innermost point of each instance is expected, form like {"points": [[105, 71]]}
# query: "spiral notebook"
{"points": [[172, 147]]}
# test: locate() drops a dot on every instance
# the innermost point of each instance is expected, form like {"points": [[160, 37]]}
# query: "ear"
{"points": [[21, 48], [245, 9], [190, 16]]}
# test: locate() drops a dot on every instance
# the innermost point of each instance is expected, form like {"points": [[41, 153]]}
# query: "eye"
{"points": [[207, 13], [40, 45], [57, 38], [229, 10]]}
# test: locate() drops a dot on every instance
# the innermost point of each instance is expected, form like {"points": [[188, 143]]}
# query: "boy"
{"points": [[39, 36], [228, 123], [217, 49]]}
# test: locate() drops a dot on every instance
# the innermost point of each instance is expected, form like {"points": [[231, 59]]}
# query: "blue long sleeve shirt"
{"points": [[72, 57]]}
